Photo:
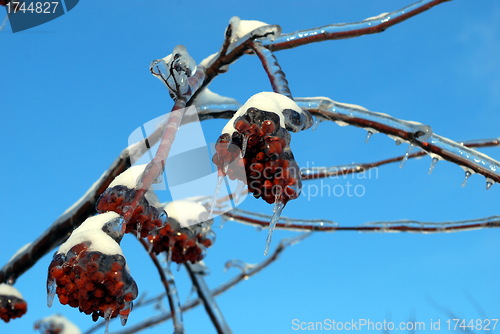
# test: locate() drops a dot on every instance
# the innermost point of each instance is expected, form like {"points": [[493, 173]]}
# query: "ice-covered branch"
{"points": [[196, 273], [323, 225], [273, 69], [243, 276], [416, 134], [167, 279], [312, 173], [348, 30]]}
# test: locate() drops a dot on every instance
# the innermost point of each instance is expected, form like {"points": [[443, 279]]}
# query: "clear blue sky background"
{"points": [[73, 89]]}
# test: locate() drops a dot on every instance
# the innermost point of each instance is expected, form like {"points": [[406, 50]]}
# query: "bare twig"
{"points": [[323, 172], [324, 225], [349, 30], [170, 290], [207, 298]]}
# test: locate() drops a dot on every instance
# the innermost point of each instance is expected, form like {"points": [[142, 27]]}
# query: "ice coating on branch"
{"points": [[12, 304], [91, 231], [206, 96], [9, 290], [376, 17], [56, 324], [291, 116], [406, 131], [175, 70]]}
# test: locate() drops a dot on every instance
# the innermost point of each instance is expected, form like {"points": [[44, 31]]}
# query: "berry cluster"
{"points": [[89, 270], [56, 324], [146, 216], [12, 304], [96, 283], [186, 235], [268, 165]]}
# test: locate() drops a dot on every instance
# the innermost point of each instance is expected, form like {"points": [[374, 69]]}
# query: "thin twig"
{"points": [[324, 225], [170, 289], [207, 298], [323, 172]]}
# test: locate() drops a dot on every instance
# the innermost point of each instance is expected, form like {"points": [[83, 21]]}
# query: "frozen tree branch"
{"points": [[273, 69], [244, 275], [323, 225], [167, 279], [415, 133], [322, 172], [196, 273], [348, 30]]}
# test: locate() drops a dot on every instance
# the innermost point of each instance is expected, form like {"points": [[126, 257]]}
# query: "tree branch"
{"points": [[348, 30], [195, 272], [324, 225]]}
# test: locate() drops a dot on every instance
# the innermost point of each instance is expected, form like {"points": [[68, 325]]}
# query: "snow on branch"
{"points": [[370, 25]]}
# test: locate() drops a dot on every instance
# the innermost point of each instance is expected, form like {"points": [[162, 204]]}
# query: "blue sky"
{"points": [[73, 90]]}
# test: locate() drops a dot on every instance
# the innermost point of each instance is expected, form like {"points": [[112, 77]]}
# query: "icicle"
{"points": [[407, 154], [243, 147], [317, 120], [397, 142], [150, 246], [239, 191], [489, 183], [51, 291], [278, 208], [107, 318], [124, 317], [369, 134], [139, 229], [467, 175], [433, 165], [220, 179]]}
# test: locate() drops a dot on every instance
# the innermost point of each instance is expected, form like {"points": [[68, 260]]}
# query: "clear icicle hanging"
{"points": [[467, 175], [220, 179], [278, 208], [433, 165], [369, 134], [407, 154], [489, 183]]}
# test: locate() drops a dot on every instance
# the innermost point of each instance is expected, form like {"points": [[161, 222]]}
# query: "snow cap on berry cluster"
{"points": [[92, 231], [131, 179], [9, 290], [187, 213], [56, 324], [291, 116]]}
